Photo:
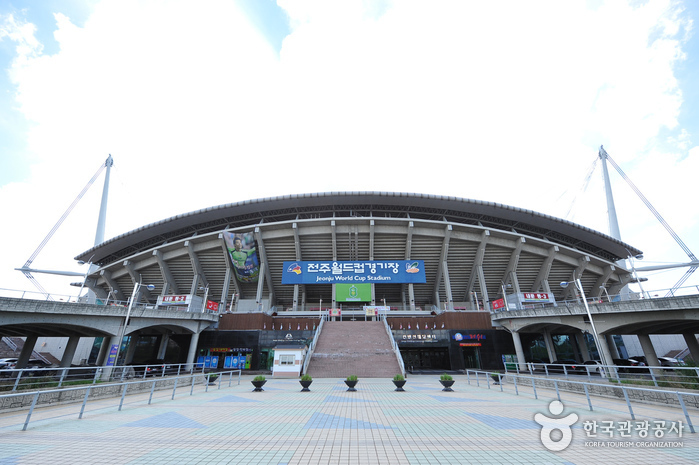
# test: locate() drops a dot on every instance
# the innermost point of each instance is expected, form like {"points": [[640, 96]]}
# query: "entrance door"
{"points": [[436, 358], [472, 357]]}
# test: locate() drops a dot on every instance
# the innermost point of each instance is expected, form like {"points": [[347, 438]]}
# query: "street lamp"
{"points": [[112, 292], [122, 333], [635, 275], [595, 336], [320, 310], [504, 295], [206, 296]]}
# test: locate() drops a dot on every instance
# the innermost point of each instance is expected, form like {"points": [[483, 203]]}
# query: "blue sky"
{"points": [[203, 104]]}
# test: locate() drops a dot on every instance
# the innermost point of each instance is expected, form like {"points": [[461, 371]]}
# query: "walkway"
{"points": [[375, 425]]}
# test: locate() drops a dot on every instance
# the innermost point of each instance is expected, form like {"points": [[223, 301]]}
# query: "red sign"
{"points": [[469, 344], [536, 296], [175, 299], [211, 305], [500, 303]]}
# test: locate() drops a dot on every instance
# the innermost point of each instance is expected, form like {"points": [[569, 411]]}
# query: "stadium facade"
{"points": [[436, 266]]}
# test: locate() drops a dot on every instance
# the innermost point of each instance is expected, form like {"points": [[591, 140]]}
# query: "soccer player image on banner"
{"points": [[243, 253]]}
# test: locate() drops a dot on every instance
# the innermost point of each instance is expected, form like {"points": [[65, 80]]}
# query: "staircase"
{"points": [[360, 348]]}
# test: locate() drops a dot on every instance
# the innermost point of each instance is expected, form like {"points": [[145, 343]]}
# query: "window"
{"points": [[286, 359]]}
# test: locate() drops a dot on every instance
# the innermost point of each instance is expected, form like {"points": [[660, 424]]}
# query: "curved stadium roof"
{"points": [[479, 241]]}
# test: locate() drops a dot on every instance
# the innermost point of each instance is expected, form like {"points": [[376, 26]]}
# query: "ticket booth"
{"points": [[288, 360]]}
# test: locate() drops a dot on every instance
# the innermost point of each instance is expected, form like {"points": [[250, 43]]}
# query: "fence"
{"points": [[38, 378], [100, 391], [629, 394], [682, 377]]}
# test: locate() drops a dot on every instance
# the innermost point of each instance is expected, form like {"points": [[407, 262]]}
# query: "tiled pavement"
{"points": [[374, 425]]}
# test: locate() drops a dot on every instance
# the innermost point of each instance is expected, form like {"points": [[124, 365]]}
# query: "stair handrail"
{"points": [[394, 345], [309, 354]]}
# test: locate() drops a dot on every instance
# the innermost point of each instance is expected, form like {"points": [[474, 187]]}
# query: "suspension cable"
{"points": [[653, 210], [62, 218]]}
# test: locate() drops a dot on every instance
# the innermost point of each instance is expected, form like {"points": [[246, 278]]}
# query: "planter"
{"points": [[447, 385], [399, 385], [496, 378], [351, 385], [212, 379], [258, 385], [305, 385]]}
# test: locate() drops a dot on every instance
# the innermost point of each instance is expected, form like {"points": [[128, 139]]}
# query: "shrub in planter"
{"points": [[447, 381], [258, 382], [399, 382], [351, 382], [305, 381]]}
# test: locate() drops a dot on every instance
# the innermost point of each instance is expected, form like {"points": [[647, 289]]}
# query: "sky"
{"points": [[209, 103]]}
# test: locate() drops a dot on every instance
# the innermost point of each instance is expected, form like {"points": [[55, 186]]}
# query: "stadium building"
{"points": [[434, 266]]}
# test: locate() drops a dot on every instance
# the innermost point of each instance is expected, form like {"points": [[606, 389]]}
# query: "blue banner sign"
{"points": [[377, 271]]}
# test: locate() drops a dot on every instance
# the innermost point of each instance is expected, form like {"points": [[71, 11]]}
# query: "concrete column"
{"points": [[519, 351], [604, 351], [164, 339], [582, 344], [131, 348], [26, 352], [69, 352], [447, 285], [260, 283], [692, 345], [648, 350], [104, 350], [411, 294], [191, 355], [549, 346], [613, 350]]}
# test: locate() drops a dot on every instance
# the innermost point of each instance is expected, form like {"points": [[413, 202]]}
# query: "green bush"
{"points": [[352, 378], [259, 378], [446, 377], [306, 378], [399, 377]]}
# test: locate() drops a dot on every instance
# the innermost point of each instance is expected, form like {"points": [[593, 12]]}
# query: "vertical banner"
{"points": [[243, 253], [111, 361]]}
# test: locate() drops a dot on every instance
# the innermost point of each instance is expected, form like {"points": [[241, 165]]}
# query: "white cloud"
{"points": [[505, 102]]}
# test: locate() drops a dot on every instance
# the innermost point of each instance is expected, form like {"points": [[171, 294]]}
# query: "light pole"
{"points": [[504, 296], [635, 275], [605, 291], [122, 333], [595, 336], [206, 296], [320, 310], [113, 291]]}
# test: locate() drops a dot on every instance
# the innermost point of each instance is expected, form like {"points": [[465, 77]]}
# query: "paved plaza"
{"points": [[374, 425]]}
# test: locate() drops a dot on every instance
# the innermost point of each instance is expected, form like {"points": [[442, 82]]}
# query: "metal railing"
{"points": [[190, 381], [680, 377], [522, 383], [611, 298], [309, 354], [394, 346], [23, 379]]}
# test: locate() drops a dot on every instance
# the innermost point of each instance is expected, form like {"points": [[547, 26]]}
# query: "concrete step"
{"points": [[353, 348]]}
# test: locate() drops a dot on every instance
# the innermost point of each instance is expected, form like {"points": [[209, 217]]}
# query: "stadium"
{"points": [[474, 257]]}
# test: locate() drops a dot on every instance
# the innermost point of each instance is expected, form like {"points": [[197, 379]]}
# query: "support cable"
{"points": [[658, 216], [62, 219]]}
